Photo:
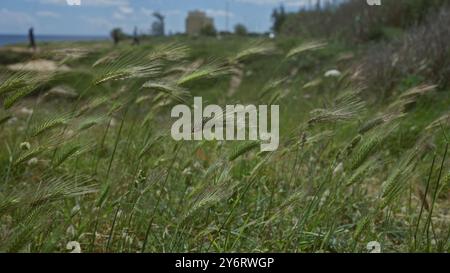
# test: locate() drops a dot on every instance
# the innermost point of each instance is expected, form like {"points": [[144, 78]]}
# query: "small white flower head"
{"points": [[33, 161], [187, 171], [25, 146], [333, 73], [374, 247], [339, 169], [74, 246]]}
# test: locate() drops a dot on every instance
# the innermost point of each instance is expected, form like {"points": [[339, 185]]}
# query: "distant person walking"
{"points": [[31, 38], [135, 37]]}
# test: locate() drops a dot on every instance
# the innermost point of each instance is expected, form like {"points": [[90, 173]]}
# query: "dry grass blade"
{"points": [[169, 52], [28, 155], [442, 121], [313, 83], [373, 123], [255, 49], [69, 152], [21, 84], [49, 124], [212, 193], [58, 188], [16, 81], [271, 85], [125, 65], [207, 71], [243, 149], [141, 71], [90, 122], [398, 179], [174, 91], [314, 45], [347, 107], [418, 91], [370, 145], [92, 105]]}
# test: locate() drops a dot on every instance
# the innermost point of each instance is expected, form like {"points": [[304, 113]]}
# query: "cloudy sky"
{"points": [[98, 17]]}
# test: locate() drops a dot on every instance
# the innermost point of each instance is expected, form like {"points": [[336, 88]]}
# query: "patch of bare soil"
{"points": [[39, 65]]}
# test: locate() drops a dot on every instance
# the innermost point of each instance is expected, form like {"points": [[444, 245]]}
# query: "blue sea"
{"points": [[20, 39]]}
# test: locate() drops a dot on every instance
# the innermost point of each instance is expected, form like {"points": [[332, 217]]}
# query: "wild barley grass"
{"points": [[102, 173]]}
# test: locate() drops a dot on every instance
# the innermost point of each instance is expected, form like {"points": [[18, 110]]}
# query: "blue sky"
{"points": [[98, 17]]}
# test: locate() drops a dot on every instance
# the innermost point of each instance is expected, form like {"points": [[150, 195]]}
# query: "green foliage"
{"points": [[356, 21], [278, 18], [240, 30], [208, 30]]}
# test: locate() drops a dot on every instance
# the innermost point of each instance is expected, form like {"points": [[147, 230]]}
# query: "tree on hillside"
{"points": [[208, 30], [278, 18], [240, 30], [117, 34]]}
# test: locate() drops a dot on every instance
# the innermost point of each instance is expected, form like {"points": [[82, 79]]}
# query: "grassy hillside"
{"points": [[86, 153]]}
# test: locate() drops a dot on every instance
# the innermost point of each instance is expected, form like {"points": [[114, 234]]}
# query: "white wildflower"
{"points": [[374, 247], [32, 161], [25, 146], [74, 246], [187, 171]]}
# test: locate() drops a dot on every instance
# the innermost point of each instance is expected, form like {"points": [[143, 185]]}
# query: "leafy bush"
{"points": [[357, 21], [423, 52]]}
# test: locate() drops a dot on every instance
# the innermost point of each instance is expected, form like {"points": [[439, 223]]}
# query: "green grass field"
{"points": [[86, 153]]}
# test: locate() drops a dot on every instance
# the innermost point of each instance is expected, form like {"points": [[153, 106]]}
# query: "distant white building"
{"points": [[196, 21]]}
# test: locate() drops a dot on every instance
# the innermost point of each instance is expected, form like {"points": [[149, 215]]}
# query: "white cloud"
{"points": [[19, 21], [147, 12], [126, 9], [288, 3], [98, 22], [172, 12], [118, 16], [90, 2], [218, 13], [49, 14]]}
